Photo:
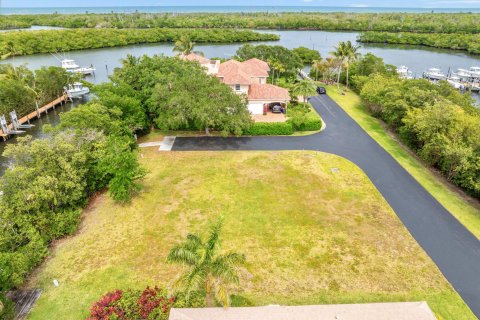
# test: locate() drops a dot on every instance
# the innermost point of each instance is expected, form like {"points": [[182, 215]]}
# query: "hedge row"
{"points": [[270, 129], [309, 125]]}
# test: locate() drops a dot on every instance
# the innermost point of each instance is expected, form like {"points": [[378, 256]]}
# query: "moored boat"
{"points": [[434, 74], [404, 72], [71, 66], [76, 91], [455, 82]]}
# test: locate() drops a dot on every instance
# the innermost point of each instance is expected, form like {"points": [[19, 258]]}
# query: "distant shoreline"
{"points": [[226, 9]]}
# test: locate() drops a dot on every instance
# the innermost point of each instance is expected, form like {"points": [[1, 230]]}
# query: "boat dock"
{"points": [[34, 115]]}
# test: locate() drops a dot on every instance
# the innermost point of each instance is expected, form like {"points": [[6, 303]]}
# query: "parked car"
{"points": [[277, 109], [321, 90]]}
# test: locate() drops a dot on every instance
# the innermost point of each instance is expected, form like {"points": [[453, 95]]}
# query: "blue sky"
{"points": [[346, 3]]}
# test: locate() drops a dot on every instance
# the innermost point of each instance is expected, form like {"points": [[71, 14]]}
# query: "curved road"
{"points": [[453, 248]]}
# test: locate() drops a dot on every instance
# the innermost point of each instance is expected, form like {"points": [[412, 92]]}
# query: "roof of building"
{"points": [[368, 311], [195, 57], [259, 64], [267, 92], [233, 72]]}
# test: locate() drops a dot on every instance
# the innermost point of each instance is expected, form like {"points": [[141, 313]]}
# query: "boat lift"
{"points": [[16, 124], [6, 129]]}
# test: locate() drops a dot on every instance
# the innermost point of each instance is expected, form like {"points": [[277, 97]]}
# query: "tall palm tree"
{"points": [[304, 88], [351, 55], [207, 269], [339, 54], [317, 65], [184, 45]]}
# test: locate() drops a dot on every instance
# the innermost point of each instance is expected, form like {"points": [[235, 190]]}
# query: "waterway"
{"points": [[417, 58]]}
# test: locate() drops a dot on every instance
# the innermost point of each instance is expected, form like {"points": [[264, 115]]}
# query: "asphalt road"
{"points": [[451, 246]]}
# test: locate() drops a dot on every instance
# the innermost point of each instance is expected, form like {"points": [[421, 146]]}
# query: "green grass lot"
{"points": [[311, 235], [465, 209]]}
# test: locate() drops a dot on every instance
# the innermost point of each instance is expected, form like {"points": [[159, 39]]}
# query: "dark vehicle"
{"points": [[321, 90], [277, 109]]}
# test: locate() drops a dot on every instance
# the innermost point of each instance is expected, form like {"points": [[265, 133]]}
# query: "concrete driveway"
{"points": [[450, 245]]}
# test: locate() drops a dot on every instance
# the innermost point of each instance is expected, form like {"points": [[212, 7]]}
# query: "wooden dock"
{"points": [[35, 114]]}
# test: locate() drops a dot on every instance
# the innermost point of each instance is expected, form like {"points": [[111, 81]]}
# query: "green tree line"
{"points": [[17, 43], [435, 120], [393, 22], [468, 42]]}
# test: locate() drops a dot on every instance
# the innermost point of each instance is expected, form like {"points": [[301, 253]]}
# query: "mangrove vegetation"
{"points": [[16, 43], [468, 42], [393, 22]]}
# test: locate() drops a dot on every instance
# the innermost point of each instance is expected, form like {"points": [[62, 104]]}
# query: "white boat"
{"points": [[76, 91], [71, 66], [475, 73], [434, 74], [455, 82], [464, 74], [475, 87], [404, 72]]}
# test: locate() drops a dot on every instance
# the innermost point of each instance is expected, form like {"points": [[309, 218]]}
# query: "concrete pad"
{"points": [[167, 143], [150, 144]]}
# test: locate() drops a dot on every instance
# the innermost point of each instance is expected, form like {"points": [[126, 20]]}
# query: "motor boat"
{"points": [[475, 73], [404, 72], [434, 74], [76, 91], [464, 74], [455, 82], [71, 66]]}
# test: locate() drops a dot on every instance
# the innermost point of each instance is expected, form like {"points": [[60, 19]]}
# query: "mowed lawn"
{"points": [[311, 235], [464, 208]]}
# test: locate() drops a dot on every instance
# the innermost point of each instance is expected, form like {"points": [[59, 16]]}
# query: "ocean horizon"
{"points": [[226, 9]]}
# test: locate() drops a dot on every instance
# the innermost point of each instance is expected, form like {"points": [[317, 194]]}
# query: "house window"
{"points": [[237, 87]]}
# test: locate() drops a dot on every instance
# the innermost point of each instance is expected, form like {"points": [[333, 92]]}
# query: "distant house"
{"points": [[248, 78], [367, 311]]}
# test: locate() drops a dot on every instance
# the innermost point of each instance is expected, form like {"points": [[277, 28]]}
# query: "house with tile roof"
{"points": [[248, 78], [211, 66]]}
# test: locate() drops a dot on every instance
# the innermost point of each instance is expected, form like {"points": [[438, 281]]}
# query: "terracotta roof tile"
{"points": [[232, 72], [195, 57], [267, 92], [257, 64]]}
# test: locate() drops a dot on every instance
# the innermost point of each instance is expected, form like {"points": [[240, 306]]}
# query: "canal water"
{"points": [[417, 58]]}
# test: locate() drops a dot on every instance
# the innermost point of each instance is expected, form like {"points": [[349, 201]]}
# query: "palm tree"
{"points": [[130, 61], [340, 54], [12, 51], [184, 45], [304, 88], [351, 55], [207, 269], [317, 65]]}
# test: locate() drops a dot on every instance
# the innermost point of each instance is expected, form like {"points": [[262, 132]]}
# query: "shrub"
{"points": [[151, 303], [302, 120], [7, 308], [270, 129], [308, 125]]}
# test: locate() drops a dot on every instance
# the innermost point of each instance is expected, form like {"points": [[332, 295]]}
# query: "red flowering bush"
{"points": [[149, 304], [108, 307], [154, 304]]}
